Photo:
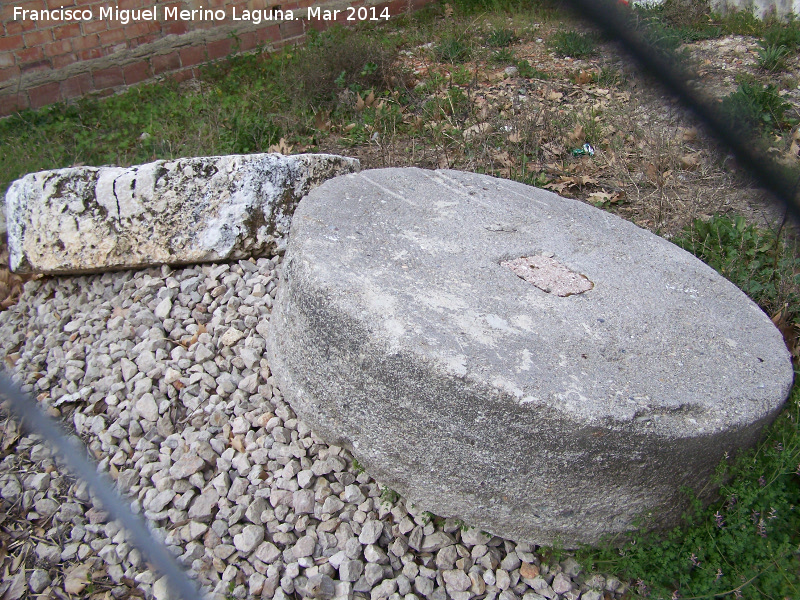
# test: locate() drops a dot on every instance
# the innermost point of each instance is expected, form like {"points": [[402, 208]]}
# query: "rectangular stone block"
{"points": [[189, 210]]}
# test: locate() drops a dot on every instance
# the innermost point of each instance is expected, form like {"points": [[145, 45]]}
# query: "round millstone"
{"points": [[534, 366]]}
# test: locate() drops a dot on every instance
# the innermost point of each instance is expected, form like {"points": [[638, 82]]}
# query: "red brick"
{"points": [[134, 30], [145, 39], [67, 31], [107, 78], [64, 60], [13, 103], [57, 48], [137, 72], [45, 94], [129, 4], [112, 36], [248, 41], [29, 55], [54, 4], [9, 73], [39, 65], [38, 37], [13, 28], [292, 28], [85, 42], [80, 85], [91, 53], [219, 49], [193, 55], [174, 28], [11, 43], [182, 75], [166, 62], [7, 60], [269, 34], [95, 26]]}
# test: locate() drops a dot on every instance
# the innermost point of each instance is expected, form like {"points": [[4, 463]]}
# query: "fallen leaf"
{"points": [[514, 138], [599, 198], [690, 161], [577, 135], [281, 147], [359, 103], [651, 172], [321, 120], [448, 10], [349, 127], [583, 77], [554, 96], [477, 129], [689, 134], [369, 100], [17, 588]]}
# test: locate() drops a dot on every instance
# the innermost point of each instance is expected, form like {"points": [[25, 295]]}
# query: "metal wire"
{"points": [[30, 414], [619, 25]]}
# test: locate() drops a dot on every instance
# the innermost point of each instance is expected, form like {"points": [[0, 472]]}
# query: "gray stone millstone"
{"points": [[404, 330], [182, 211]]}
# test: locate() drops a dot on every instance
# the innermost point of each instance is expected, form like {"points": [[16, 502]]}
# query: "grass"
{"points": [[574, 44], [756, 105]]}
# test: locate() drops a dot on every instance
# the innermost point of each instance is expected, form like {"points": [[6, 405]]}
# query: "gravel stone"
{"points": [[39, 579], [370, 532]]}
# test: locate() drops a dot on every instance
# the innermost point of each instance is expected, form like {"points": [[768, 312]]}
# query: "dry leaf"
{"points": [[76, 579], [17, 588], [281, 147], [689, 134], [515, 138], [583, 77], [478, 129], [577, 135], [349, 127], [370, 100], [651, 172], [448, 10], [690, 161], [321, 120], [600, 197], [555, 96], [359, 103]]}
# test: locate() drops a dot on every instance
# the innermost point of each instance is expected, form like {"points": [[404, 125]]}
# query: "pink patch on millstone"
{"points": [[549, 275]]}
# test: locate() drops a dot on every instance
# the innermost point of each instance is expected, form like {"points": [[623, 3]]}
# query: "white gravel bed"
{"points": [[162, 373]]}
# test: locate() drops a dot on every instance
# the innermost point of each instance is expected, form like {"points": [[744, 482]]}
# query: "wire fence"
{"points": [[616, 22], [619, 24]]}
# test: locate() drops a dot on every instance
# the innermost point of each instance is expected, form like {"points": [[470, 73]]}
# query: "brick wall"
{"points": [[43, 61]]}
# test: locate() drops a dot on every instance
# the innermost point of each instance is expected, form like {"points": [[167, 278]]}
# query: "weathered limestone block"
{"points": [[551, 399], [187, 210]]}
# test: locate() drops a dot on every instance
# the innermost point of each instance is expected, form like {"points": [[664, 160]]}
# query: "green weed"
{"points": [[526, 70], [453, 50], [772, 57], [755, 105], [503, 57], [500, 38], [784, 35], [759, 261], [573, 43], [389, 495]]}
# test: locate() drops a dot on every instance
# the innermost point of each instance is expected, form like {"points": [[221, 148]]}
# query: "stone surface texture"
{"points": [[397, 333], [182, 211]]}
